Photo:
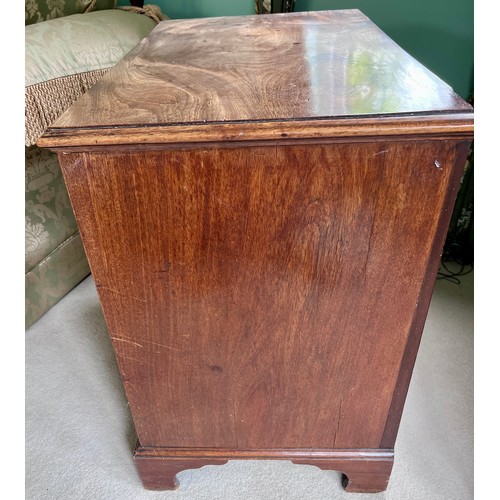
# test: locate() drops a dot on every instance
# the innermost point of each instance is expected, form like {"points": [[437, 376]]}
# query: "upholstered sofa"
{"points": [[70, 44]]}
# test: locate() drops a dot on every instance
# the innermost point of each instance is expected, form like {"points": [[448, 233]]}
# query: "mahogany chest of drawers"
{"points": [[263, 201]]}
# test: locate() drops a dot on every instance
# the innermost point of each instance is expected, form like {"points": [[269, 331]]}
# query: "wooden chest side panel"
{"points": [[260, 297]]}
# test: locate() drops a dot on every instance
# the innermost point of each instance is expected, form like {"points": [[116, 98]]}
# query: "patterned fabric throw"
{"points": [[36, 11], [49, 218], [54, 255]]}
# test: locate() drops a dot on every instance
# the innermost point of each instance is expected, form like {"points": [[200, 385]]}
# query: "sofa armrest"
{"points": [[65, 57]]}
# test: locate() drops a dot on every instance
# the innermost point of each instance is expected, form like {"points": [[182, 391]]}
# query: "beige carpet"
{"points": [[79, 434]]}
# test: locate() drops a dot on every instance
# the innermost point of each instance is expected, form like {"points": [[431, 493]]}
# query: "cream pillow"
{"points": [[66, 56]]}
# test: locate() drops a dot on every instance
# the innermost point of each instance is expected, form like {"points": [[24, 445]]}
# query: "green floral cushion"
{"points": [[65, 57], [81, 43], [49, 219], [36, 11], [54, 255], [54, 277]]}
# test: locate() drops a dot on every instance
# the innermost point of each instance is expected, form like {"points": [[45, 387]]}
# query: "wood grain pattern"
{"points": [[196, 73], [264, 222], [159, 473], [457, 125], [363, 470], [245, 285], [424, 300]]}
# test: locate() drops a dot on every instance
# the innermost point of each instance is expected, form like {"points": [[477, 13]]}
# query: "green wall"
{"points": [[439, 33], [182, 9]]}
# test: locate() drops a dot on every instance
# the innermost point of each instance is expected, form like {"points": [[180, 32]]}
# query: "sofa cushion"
{"points": [[66, 56], [54, 277], [36, 11], [80, 43], [49, 220]]}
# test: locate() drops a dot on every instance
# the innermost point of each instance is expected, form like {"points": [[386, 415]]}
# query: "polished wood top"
{"points": [[237, 73]]}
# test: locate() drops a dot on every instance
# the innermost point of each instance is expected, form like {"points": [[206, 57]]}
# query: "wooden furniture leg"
{"points": [[159, 473], [358, 475], [364, 471]]}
